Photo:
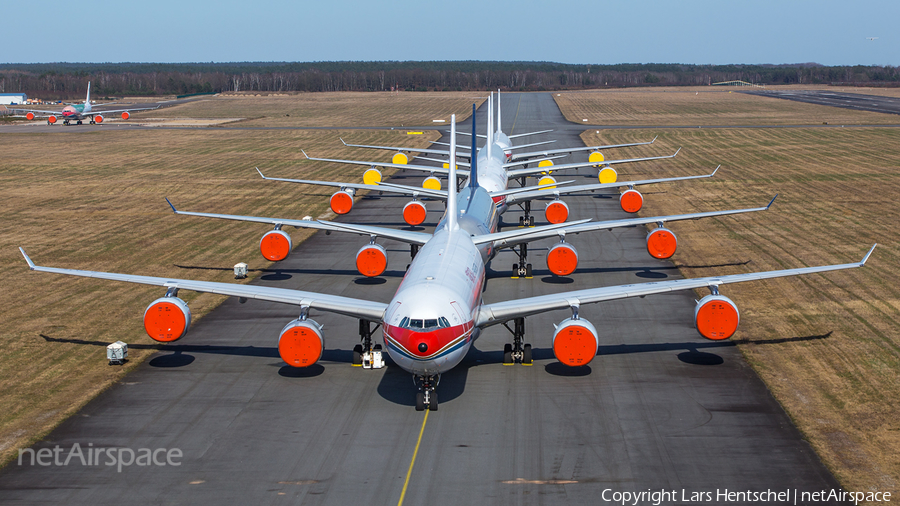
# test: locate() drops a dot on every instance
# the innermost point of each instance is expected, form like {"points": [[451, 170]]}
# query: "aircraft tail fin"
{"points": [[473, 170], [452, 207]]}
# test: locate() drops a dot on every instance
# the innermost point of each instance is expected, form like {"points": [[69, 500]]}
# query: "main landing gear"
{"points": [[517, 351], [527, 220], [521, 269], [426, 397], [366, 355]]}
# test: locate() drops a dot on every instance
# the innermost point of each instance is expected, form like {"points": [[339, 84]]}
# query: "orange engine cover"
{"points": [[167, 319], [557, 212], [575, 342], [631, 201], [342, 202], [98, 119], [661, 243], [717, 317], [562, 259], [371, 260], [414, 213], [52, 119], [125, 115], [29, 116], [275, 245], [300, 343]]}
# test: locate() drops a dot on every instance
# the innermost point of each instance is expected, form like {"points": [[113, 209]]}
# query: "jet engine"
{"points": [[125, 115], [575, 342], [167, 319], [29, 116], [342, 201], [400, 158], [631, 201], [608, 175], [51, 119], [371, 260], [562, 259], [372, 176], [717, 317], [275, 245], [300, 343], [557, 211], [661, 243], [414, 213], [98, 119], [431, 183], [547, 180]]}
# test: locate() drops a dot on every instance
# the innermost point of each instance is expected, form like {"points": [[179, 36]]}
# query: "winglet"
{"points": [[771, 201], [170, 205], [31, 264], [860, 264], [261, 174], [717, 170], [654, 139], [676, 153], [341, 138], [307, 156]]}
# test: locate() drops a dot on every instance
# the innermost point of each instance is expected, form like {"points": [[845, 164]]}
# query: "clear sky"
{"points": [[829, 32]]}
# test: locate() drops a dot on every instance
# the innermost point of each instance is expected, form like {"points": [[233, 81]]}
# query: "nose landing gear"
{"points": [[426, 397]]}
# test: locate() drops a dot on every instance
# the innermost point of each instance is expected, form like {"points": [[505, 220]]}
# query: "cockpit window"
{"points": [[424, 325]]}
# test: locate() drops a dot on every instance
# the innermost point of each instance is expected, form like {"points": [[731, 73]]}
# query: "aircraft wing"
{"points": [[537, 193], [537, 170], [411, 150], [406, 236], [513, 237], [492, 314], [130, 109], [438, 170], [415, 191], [36, 111], [573, 150], [357, 308]]}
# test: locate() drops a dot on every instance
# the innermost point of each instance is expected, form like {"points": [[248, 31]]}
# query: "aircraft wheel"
{"points": [[526, 355], [515, 270], [527, 270], [521, 221], [420, 401], [507, 354], [433, 403], [531, 221], [79, 122], [357, 355]]}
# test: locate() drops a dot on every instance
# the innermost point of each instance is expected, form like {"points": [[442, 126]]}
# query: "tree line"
{"points": [[69, 80]]}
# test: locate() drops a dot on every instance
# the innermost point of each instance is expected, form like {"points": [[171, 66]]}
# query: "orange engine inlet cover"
{"points": [[275, 245], [300, 343], [661, 243], [414, 213], [557, 212], [562, 259], [631, 201], [371, 260]]}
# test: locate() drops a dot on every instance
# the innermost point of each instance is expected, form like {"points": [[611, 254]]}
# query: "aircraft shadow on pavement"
{"points": [[284, 274], [548, 277]]}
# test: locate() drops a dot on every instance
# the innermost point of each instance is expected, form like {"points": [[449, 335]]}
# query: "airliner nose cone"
{"points": [[423, 347]]}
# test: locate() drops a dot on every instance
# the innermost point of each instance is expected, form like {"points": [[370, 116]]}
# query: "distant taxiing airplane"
{"points": [[438, 311], [79, 112]]}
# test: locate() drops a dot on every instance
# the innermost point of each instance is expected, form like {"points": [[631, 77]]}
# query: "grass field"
{"points": [[94, 200], [327, 109], [827, 345], [704, 105]]}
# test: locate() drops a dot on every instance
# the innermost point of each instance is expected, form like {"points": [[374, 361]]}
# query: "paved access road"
{"points": [[659, 408], [857, 101]]}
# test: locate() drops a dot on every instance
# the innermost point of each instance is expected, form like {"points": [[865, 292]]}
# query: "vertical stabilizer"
{"points": [[473, 170], [452, 208], [498, 110], [490, 126], [87, 99]]}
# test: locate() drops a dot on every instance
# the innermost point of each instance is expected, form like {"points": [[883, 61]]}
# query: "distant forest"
{"points": [[69, 80]]}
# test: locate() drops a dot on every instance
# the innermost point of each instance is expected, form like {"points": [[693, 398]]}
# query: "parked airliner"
{"points": [[80, 112], [438, 312]]}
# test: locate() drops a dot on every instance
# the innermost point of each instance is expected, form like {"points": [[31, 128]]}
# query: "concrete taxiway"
{"points": [[658, 408], [856, 101]]}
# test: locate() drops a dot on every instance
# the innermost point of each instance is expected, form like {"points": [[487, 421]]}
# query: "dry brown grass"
{"points": [[94, 200], [827, 345], [328, 109], [704, 105]]}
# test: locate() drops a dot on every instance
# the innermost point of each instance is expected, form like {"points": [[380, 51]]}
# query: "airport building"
{"points": [[13, 98]]}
